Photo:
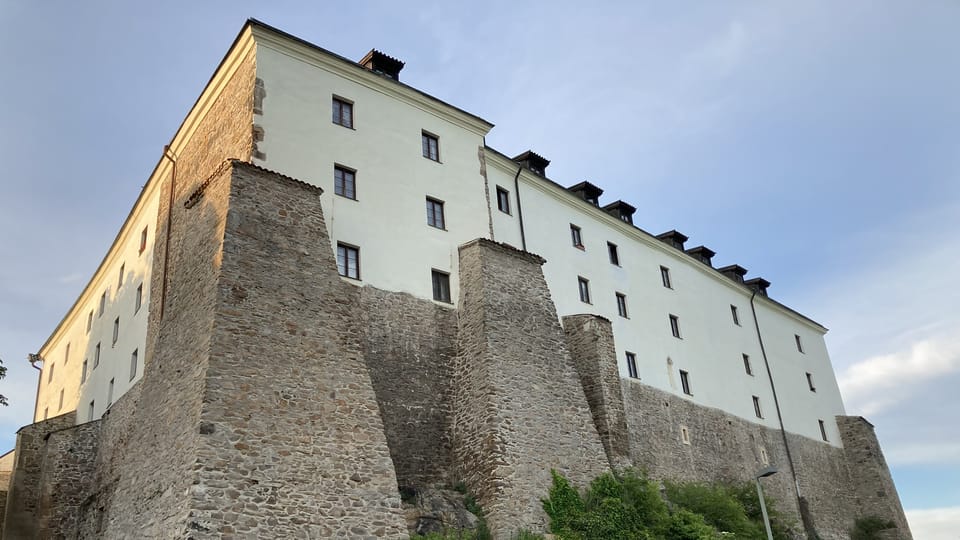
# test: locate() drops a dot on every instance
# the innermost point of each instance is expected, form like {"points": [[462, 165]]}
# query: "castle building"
{"points": [[319, 224]]}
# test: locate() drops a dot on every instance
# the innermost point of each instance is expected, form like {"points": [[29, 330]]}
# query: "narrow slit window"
{"points": [[116, 330], [584, 285], [60, 405], [685, 382], [96, 356], [103, 304], [576, 236], [50, 373], [123, 268], [675, 326], [110, 394], [746, 365], [90, 410], [735, 314], [796, 337], [614, 253], [138, 300], [83, 372], [89, 321], [143, 240], [810, 384], [756, 407], [632, 365], [665, 277], [134, 363], [823, 430], [622, 305]]}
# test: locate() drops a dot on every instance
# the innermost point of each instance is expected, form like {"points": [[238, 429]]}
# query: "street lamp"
{"points": [[763, 473]]}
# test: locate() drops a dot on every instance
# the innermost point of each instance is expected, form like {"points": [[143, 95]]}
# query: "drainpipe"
{"points": [[516, 189], [776, 402], [168, 153]]}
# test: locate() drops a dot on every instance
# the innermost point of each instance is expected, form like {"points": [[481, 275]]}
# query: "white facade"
{"points": [[387, 223]]}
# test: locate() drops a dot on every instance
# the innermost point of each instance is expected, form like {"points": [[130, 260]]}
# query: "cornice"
{"points": [[351, 71]]}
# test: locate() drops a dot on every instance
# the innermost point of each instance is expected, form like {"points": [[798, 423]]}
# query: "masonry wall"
{"points": [[409, 347], [68, 471], [520, 409]]}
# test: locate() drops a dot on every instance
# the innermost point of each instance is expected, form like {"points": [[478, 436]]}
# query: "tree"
{"points": [[3, 373]]}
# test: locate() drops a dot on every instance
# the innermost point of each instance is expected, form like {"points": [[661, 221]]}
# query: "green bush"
{"points": [[866, 528], [685, 525]]}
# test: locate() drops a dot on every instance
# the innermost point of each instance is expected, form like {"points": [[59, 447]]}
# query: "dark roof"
{"points": [[733, 268], [533, 156], [620, 205], [673, 233], [701, 250], [762, 283]]}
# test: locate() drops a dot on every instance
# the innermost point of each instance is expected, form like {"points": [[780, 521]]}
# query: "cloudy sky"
{"points": [[815, 143]]}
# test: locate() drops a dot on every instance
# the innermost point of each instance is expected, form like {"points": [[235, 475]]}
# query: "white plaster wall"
{"points": [[120, 302], [388, 220]]}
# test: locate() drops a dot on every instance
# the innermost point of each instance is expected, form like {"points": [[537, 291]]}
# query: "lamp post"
{"points": [[763, 473]]}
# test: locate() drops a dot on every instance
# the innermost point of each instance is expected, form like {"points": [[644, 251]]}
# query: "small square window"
{"points": [[123, 267], [614, 253], [584, 285], [576, 236], [735, 314], [632, 365], [675, 326], [348, 260], [143, 240], [622, 305], [756, 407], [342, 112], [810, 382], [431, 146], [134, 363], [116, 330], [96, 356], [83, 372], [138, 300], [665, 277], [103, 304], [685, 382], [796, 338], [503, 200], [50, 372], [345, 182], [823, 430], [435, 213], [746, 365], [441, 286], [89, 321]]}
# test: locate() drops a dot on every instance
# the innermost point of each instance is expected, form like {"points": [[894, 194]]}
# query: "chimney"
{"points": [[734, 272], [621, 211], [674, 238], [758, 284], [378, 62], [702, 254], [534, 162], [587, 192]]}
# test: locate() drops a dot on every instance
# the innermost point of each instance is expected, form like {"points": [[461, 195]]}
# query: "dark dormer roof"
{"points": [[379, 62], [533, 161], [587, 192], [621, 210], [702, 254], [758, 284], [674, 238], [734, 272]]}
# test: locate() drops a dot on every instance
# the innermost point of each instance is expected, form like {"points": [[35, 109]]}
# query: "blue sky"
{"points": [[815, 143]]}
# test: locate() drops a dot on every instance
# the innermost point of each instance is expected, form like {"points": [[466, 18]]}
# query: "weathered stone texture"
{"points": [[869, 474], [291, 443], [23, 498], [68, 472], [590, 341], [520, 410], [409, 347]]}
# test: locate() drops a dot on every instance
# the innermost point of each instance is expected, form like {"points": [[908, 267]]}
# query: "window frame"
{"points": [[685, 382], [138, 300], [347, 249], [734, 312], [103, 304], [583, 286], [432, 205], [89, 321], [665, 277], [440, 282], [796, 337], [430, 145], [810, 384], [123, 268], [116, 331], [823, 430], [336, 112], [675, 326], [134, 363], [96, 356], [340, 184], [143, 239], [632, 365], [613, 252], [83, 371], [503, 200], [576, 237], [747, 366], [756, 407], [622, 305]]}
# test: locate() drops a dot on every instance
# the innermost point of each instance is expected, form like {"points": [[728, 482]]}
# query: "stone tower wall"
{"points": [[520, 409]]}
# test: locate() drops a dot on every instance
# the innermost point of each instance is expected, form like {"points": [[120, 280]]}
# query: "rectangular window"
{"points": [[89, 321], [614, 254], [103, 304], [584, 285], [123, 267], [345, 182], [342, 112], [796, 338], [110, 393], [96, 356], [90, 411], [431, 146], [441, 286], [83, 372], [435, 213], [116, 330], [622, 305], [503, 200], [576, 237], [133, 364], [348, 260], [746, 365], [735, 315], [143, 239], [632, 365], [46, 412], [823, 430], [810, 382], [665, 277], [685, 382], [50, 373], [60, 405], [756, 407], [66, 355], [675, 325], [138, 300]]}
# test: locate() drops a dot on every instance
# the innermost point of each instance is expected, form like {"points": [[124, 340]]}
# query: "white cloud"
{"points": [[935, 523]]}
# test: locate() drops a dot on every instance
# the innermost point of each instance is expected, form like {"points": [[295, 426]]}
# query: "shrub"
{"points": [[866, 528]]}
